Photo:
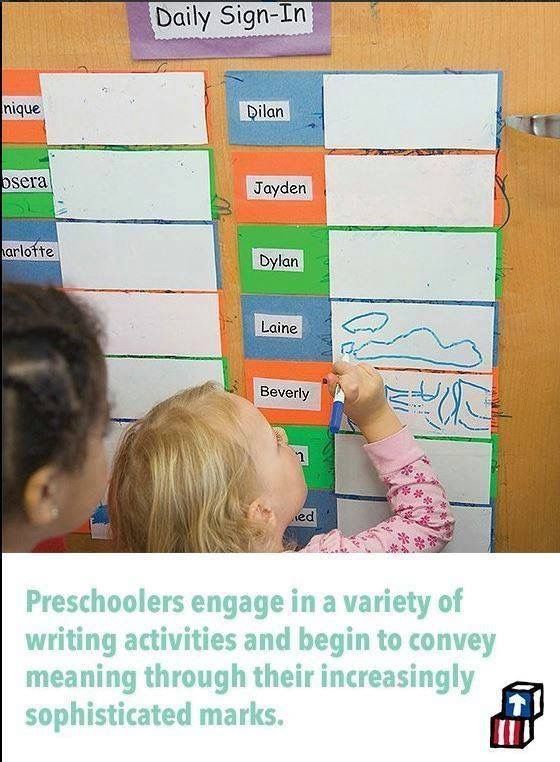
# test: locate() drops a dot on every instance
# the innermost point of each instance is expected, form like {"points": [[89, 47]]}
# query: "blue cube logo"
{"points": [[522, 700]]}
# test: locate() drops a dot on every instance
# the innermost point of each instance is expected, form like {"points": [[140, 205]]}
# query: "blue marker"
{"points": [[338, 405]]}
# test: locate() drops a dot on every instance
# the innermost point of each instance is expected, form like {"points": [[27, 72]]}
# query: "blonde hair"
{"points": [[183, 479]]}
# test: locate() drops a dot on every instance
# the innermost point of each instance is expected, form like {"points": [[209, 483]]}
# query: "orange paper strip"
{"points": [[22, 82], [310, 372], [286, 174]]}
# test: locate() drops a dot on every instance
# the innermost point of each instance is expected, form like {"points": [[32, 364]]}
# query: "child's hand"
{"points": [[365, 402]]}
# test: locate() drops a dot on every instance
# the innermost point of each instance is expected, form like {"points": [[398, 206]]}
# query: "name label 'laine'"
{"points": [[26, 180], [40, 251], [279, 187], [306, 517], [287, 326], [286, 395], [22, 107], [279, 260], [264, 111], [302, 451]]}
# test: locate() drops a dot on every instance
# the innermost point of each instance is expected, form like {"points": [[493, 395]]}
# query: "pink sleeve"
{"points": [[422, 519]]}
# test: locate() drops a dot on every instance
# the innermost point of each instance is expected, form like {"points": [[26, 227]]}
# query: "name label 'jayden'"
{"points": [[264, 111], [286, 395], [279, 260], [279, 187], [286, 326], [306, 517]]}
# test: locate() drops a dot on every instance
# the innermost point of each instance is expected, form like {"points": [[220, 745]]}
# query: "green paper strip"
{"points": [[25, 204], [312, 240], [495, 466], [319, 471], [499, 264]]}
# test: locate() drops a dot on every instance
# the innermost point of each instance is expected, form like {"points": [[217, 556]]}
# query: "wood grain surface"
{"points": [[522, 40]]}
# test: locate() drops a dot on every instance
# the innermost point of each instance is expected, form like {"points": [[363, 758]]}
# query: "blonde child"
{"points": [[204, 472]]}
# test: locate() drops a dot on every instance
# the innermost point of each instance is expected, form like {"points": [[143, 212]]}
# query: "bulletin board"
{"points": [[521, 40]]}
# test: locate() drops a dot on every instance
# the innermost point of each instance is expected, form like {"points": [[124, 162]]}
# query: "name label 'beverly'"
{"points": [[278, 260], [40, 251], [302, 451], [286, 395], [26, 180], [22, 107], [279, 187], [264, 111], [286, 326], [306, 517]]}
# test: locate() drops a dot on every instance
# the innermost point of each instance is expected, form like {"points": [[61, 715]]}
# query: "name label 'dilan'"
{"points": [[264, 111], [279, 187], [302, 451], [40, 251], [286, 326], [26, 180], [22, 107], [279, 260], [306, 517], [172, 21], [286, 395]]}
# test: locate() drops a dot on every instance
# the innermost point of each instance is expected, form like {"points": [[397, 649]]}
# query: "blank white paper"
{"points": [[411, 110], [472, 532], [442, 190], [424, 336], [463, 468], [398, 264], [148, 256], [136, 384], [131, 185], [137, 323], [164, 108]]}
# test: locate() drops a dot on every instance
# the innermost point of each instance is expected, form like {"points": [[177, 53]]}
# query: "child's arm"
{"points": [[422, 520]]}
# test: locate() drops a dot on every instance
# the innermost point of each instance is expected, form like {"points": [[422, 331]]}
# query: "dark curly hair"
{"points": [[54, 384]]}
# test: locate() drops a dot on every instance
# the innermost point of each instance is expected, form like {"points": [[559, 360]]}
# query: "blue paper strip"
{"points": [[27, 256], [318, 516], [293, 96], [302, 330]]}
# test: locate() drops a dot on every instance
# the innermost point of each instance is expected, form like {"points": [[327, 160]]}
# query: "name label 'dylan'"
{"points": [[307, 517], [28, 180], [40, 251], [264, 111], [171, 21], [286, 395], [302, 451], [280, 260], [279, 187], [22, 107], [287, 326]]}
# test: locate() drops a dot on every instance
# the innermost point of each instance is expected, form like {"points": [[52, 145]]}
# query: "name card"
{"points": [[281, 188], [30, 250], [279, 260], [288, 326], [26, 181], [306, 517], [287, 395], [302, 451], [264, 111], [22, 107]]}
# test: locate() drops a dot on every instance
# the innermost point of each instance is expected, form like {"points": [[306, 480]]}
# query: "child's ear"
{"points": [[259, 512], [39, 496]]}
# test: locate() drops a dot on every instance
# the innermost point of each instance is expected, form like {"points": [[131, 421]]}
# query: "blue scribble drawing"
{"points": [[449, 407], [418, 344], [462, 404]]}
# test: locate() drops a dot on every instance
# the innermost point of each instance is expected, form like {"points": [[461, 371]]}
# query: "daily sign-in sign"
{"points": [[228, 30]]}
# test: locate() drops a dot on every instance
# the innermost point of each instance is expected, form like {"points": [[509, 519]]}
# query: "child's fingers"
{"points": [[332, 383], [341, 366]]}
